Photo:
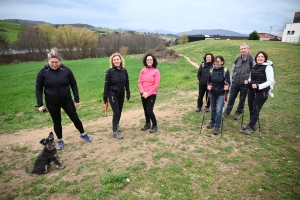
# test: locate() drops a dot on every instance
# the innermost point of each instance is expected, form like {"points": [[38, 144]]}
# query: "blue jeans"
{"points": [[216, 104]]}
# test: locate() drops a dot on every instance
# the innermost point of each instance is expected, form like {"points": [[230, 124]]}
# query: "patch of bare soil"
{"points": [[17, 149]]}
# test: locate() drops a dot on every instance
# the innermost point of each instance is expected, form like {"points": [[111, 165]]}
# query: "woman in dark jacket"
{"points": [[218, 85], [116, 80], [55, 80], [203, 75], [259, 82]]}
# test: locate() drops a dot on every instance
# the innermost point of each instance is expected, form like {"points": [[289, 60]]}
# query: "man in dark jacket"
{"points": [[203, 75], [240, 72]]}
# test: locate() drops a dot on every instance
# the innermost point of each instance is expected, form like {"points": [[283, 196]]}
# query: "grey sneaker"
{"points": [[117, 135], [244, 128], [210, 125], [146, 126], [206, 109], [198, 109], [154, 129], [236, 116], [248, 131], [225, 114], [216, 131]]}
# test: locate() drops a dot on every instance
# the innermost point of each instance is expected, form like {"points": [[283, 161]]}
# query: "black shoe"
{"points": [[153, 129], [146, 126], [210, 125], [117, 135]]}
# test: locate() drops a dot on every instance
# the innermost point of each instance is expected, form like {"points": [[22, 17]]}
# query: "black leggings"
{"points": [[256, 100], [54, 108], [116, 102], [148, 105]]}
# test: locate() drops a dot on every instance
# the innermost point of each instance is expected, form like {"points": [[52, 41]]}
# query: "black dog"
{"points": [[49, 154]]}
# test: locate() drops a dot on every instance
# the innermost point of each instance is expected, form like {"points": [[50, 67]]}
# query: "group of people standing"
{"points": [[252, 76], [56, 81]]}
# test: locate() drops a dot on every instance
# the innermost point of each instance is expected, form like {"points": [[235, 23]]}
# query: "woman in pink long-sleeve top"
{"points": [[148, 82]]}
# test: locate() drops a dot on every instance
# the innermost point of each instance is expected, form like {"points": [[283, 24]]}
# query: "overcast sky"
{"points": [[172, 15]]}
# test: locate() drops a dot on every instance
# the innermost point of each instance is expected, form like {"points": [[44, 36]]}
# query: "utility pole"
{"points": [[271, 27]]}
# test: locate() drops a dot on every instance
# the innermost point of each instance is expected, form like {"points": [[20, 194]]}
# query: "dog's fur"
{"points": [[49, 154]]}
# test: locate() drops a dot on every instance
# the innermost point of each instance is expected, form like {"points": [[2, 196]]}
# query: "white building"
{"points": [[291, 32]]}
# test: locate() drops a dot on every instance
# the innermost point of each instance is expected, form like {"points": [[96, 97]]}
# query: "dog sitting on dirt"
{"points": [[49, 154]]}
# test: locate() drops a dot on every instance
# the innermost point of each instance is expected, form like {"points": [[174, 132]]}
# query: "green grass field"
{"points": [[176, 162], [11, 30]]}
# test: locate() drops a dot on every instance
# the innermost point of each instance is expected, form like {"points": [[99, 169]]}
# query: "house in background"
{"points": [[268, 36], [291, 32]]}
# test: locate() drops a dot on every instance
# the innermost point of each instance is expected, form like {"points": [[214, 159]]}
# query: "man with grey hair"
{"points": [[240, 72]]}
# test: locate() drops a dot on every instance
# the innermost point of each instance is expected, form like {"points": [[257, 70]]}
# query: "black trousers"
{"points": [[54, 108], [203, 90], [234, 90], [116, 101], [148, 105], [256, 100]]}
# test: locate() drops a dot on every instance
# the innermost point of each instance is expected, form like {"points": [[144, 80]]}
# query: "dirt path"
{"points": [[193, 63]]}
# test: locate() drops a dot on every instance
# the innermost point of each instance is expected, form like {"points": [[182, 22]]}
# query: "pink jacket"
{"points": [[149, 80]]}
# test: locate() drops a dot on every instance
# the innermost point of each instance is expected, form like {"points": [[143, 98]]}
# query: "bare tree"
{"points": [[283, 24]]}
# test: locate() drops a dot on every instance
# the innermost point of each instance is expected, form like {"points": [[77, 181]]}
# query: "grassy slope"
{"points": [[232, 167], [12, 30]]}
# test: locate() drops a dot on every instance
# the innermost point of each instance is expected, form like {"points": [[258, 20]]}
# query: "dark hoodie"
{"points": [[217, 80], [55, 84]]}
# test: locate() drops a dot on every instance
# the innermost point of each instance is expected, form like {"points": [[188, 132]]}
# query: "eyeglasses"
{"points": [[218, 61], [149, 59], [54, 62]]}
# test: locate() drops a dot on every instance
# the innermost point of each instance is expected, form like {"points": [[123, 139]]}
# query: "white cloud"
{"points": [[171, 15]]}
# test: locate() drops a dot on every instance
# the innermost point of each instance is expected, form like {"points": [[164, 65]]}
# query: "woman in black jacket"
{"points": [[218, 85], [259, 82], [55, 80], [116, 80], [203, 74]]}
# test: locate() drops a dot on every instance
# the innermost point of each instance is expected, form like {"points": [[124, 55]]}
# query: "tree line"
{"points": [[34, 42]]}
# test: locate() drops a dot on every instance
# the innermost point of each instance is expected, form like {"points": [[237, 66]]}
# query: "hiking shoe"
{"points": [[206, 109], [216, 131], [85, 137], [60, 145], [198, 109], [236, 116], [248, 131], [244, 128], [117, 135], [210, 125], [153, 129], [226, 114], [146, 126]]}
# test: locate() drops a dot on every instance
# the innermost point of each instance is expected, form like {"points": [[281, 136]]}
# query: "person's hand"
{"points": [[128, 96], [209, 87], [42, 109], [246, 82], [226, 87], [105, 99], [145, 95], [254, 86], [76, 104]]}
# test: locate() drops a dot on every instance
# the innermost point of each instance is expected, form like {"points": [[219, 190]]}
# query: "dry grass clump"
{"points": [[163, 54]]}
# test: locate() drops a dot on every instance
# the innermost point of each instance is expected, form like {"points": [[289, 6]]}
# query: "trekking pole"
{"points": [[241, 129], [223, 111], [257, 115], [204, 111]]}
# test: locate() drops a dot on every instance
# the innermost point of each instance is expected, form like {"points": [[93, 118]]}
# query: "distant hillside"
{"points": [[221, 32]]}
